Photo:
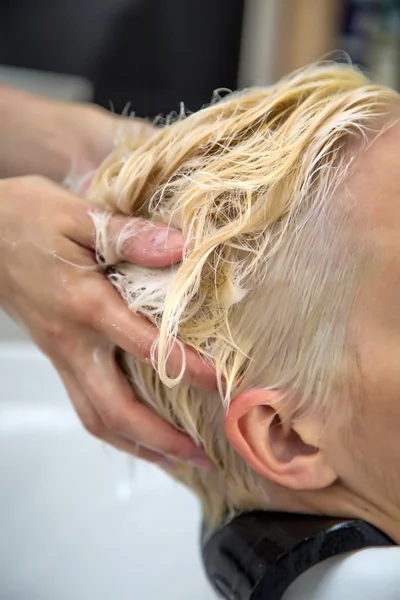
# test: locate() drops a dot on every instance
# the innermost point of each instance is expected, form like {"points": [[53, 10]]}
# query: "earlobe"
{"points": [[259, 426]]}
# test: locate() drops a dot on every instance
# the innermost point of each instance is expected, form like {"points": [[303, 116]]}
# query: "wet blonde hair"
{"points": [[269, 274]]}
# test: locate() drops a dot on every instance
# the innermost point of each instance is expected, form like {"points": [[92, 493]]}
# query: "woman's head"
{"points": [[270, 280]]}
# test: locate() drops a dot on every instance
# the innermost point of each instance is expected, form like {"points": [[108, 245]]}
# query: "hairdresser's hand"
{"points": [[49, 284], [55, 139]]}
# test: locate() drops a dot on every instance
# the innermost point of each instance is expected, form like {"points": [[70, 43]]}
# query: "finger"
{"points": [[130, 239], [135, 449], [92, 422], [96, 303], [136, 335], [112, 398], [145, 243]]}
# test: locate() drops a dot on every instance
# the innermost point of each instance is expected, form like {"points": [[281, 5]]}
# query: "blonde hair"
{"points": [[269, 274]]}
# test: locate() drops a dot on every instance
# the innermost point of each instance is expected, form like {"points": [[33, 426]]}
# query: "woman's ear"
{"points": [[260, 427]]}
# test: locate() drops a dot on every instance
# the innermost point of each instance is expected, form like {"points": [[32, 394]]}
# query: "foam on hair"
{"points": [[269, 273]]}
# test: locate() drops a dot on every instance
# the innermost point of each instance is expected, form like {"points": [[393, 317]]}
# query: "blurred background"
{"points": [[157, 53]]}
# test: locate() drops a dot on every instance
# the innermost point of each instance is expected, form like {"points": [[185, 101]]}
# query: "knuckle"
{"points": [[112, 419], [92, 425], [84, 307], [56, 335], [93, 310], [41, 181], [34, 180], [31, 185], [143, 351]]}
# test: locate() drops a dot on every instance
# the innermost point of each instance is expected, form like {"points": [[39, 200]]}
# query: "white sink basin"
{"points": [[79, 520]]}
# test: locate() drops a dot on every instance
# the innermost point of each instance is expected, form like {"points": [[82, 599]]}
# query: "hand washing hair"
{"points": [[270, 272]]}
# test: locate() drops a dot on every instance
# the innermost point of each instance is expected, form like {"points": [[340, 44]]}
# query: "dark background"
{"points": [[152, 53]]}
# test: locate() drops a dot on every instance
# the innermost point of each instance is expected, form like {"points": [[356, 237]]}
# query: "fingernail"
{"points": [[165, 239]]}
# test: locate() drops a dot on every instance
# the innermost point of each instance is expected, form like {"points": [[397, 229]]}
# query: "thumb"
{"points": [[144, 243], [118, 238]]}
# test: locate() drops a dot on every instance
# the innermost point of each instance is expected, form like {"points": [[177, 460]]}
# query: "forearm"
{"points": [[42, 136], [26, 135]]}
